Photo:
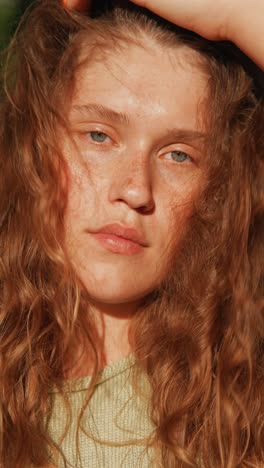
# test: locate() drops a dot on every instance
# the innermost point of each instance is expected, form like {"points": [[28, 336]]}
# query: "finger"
{"points": [[78, 5]]}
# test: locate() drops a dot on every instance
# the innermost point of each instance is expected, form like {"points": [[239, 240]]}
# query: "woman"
{"points": [[134, 290]]}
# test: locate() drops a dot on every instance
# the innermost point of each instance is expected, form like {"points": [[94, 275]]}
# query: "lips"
{"points": [[124, 232], [120, 239]]}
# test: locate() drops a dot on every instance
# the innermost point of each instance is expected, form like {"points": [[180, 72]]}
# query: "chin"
{"points": [[115, 295], [114, 285]]}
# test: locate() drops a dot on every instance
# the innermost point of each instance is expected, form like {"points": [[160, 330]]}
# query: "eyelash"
{"points": [[177, 152]]}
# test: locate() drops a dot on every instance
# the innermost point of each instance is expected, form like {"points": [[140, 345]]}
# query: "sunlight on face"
{"points": [[135, 170]]}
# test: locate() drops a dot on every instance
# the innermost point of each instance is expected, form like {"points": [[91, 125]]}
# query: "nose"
{"points": [[132, 184]]}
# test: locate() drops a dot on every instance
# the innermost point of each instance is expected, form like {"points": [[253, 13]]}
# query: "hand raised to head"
{"points": [[207, 18], [240, 21]]}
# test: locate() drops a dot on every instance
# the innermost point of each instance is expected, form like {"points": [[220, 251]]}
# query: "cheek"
{"points": [[180, 185], [85, 191], [175, 211], [177, 197], [174, 225]]}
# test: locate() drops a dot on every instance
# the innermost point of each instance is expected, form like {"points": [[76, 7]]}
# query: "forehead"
{"points": [[144, 82]]}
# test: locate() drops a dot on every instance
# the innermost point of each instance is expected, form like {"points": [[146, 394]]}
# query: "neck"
{"points": [[112, 324]]}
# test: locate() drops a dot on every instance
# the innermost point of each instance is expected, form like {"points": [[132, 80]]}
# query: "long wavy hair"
{"points": [[200, 337]]}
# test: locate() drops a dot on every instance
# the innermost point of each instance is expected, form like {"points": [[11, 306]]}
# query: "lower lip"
{"points": [[118, 244]]}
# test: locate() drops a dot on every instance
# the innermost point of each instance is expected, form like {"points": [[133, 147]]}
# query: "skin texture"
{"points": [[131, 177], [240, 21]]}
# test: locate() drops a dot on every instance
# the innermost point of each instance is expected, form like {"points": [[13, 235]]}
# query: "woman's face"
{"points": [[135, 169]]}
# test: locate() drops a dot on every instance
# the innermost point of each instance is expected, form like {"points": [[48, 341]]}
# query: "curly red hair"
{"points": [[200, 336]]}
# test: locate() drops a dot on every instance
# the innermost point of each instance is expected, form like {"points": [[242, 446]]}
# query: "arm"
{"points": [[239, 21], [247, 30]]}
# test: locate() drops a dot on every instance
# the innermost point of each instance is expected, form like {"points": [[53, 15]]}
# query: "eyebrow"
{"points": [[103, 112], [186, 135]]}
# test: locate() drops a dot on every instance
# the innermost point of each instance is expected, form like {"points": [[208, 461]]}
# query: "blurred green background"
{"points": [[10, 13]]}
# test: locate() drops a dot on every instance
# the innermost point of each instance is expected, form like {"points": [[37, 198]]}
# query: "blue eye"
{"points": [[179, 156], [98, 137]]}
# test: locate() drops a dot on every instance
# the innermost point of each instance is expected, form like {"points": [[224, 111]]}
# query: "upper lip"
{"points": [[125, 232]]}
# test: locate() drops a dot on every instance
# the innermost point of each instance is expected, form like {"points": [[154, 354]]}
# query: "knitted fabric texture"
{"points": [[115, 414]]}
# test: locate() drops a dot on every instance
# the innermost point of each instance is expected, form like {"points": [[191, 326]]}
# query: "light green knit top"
{"points": [[114, 414]]}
